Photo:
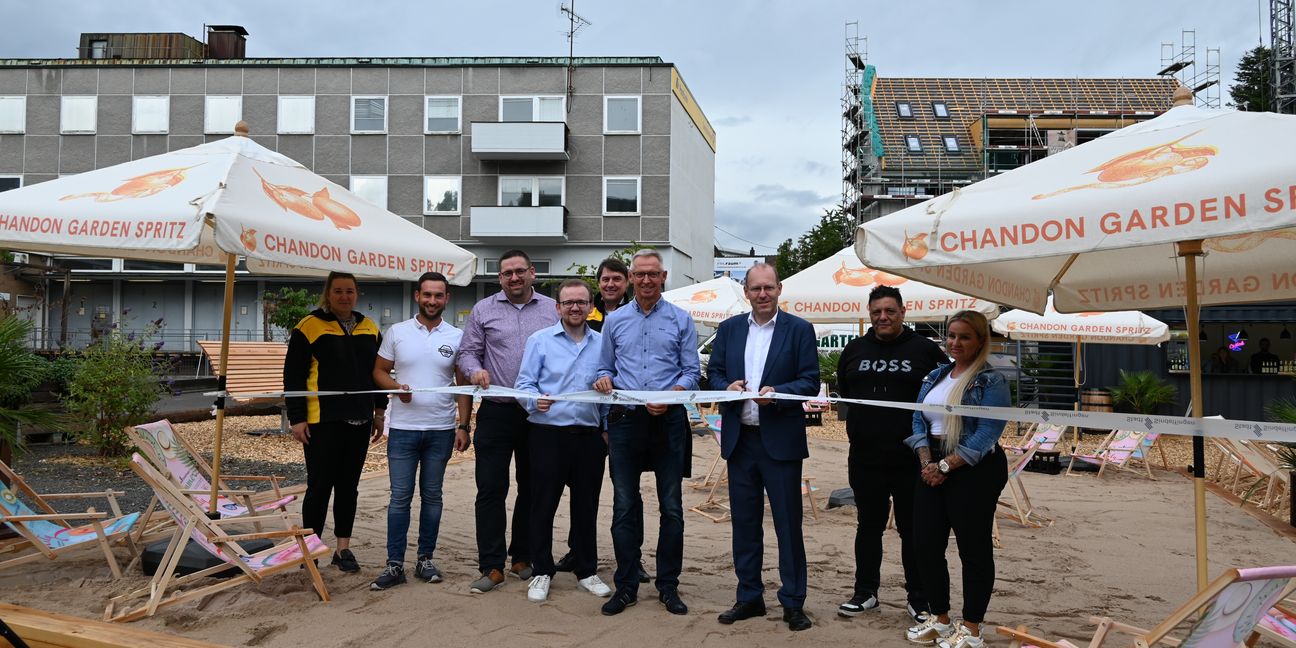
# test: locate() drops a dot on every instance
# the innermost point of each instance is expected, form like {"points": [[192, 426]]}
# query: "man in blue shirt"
{"points": [[649, 344], [566, 440]]}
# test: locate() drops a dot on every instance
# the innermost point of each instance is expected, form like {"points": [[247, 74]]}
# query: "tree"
{"points": [[828, 237], [20, 372], [287, 307], [1253, 91], [115, 385], [585, 271]]}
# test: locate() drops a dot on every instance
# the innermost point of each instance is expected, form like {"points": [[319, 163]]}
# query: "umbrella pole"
{"points": [[861, 325], [230, 261], [1075, 430], [1190, 250]]}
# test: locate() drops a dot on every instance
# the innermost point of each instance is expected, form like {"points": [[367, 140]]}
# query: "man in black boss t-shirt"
{"points": [[887, 363]]}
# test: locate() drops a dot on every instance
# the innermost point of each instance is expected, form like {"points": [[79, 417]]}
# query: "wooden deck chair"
{"points": [[1232, 470], [712, 508], [1152, 441], [1279, 624], [48, 534], [695, 419], [174, 457], [1223, 615], [1023, 511], [1118, 450], [300, 547], [1266, 466]]}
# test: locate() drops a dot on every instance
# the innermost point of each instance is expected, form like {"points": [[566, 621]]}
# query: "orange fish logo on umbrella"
{"points": [[138, 187], [316, 206], [703, 297], [852, 276], [1247, 242], [1145, 165]]}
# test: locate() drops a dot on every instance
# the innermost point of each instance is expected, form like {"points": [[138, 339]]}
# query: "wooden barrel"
{"points": [[1096, 400]]}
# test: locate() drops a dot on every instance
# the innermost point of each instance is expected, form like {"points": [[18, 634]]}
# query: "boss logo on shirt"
{"points": [[885, 366], [446, 351]]}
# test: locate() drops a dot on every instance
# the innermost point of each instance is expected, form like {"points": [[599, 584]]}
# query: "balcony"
{"points": [[519, 140], [532, 224]]}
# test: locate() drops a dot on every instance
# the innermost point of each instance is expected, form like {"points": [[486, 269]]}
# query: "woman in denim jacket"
{"points": [[963, 472]]}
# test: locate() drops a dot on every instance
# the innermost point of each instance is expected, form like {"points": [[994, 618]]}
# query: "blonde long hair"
{"points": [[953, 425]]}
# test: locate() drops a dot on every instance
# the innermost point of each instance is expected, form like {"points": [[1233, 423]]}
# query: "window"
{"points": [[373, 189], [940, 109], [98, 49], [78, 115], [10, 182], [150, 115], [541, 266], [13, 114], [531, 192], [296, 115], [951, 143], [913, 143], [533, 109], [368, 115], [904, 110], [442, 115], [621, 115], [621, 195], [441, 194], [222, 114]]}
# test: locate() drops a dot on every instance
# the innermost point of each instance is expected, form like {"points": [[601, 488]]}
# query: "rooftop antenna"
{"points": [[575, 22]]}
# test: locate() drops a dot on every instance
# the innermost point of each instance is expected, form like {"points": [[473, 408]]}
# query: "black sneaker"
{"points": [[918, 616], [566, 563], [427, 571], [346, 561], [643, 574], [857, 605], [391, 576]]}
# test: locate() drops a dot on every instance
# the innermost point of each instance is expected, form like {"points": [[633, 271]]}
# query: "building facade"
{"points": [[568, 160]]}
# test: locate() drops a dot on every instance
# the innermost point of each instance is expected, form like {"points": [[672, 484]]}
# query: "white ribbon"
{"points": [[1209, 427]]}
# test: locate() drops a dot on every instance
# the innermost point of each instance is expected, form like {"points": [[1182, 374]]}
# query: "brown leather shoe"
{"points": [[488, 581], [522, 570]]}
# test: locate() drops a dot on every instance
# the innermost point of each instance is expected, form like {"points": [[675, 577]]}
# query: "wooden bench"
{"points": [[254, 367]]}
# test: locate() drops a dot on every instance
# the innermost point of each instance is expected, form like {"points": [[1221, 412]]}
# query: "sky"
{"points": [[767, 74]]}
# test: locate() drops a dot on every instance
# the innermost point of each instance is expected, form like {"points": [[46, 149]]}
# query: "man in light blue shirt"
{"points": [[648, 344], [566, 441]]}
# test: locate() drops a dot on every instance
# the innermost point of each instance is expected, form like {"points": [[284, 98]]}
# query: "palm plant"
{"points": [[20, 372], [1143, 391]]}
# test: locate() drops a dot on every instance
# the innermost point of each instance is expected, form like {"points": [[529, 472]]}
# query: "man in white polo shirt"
{"points": [[424, 427]]}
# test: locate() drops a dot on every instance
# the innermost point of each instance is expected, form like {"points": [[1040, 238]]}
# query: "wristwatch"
{"points": [[462, 426], [943, 466]]}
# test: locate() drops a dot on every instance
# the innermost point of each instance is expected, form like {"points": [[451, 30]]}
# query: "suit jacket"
{"points": [[792, 367]]}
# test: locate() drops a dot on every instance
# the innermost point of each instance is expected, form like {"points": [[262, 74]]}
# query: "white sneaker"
{"points": [[538, 590], [929, 631], [962, 638], [595, 585]]}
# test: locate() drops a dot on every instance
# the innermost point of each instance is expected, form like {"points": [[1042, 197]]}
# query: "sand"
{"points": [[1121, 546]]}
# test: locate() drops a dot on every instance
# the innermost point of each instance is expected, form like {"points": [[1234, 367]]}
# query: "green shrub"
{"points": [[1143, 391], [284, 309], [115, 384], [20, 372], [828, 366]]}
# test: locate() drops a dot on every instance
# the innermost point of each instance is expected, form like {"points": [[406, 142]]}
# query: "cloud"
{"points": [[815, 168], [760, 224], [727, 122], [777, 193]]}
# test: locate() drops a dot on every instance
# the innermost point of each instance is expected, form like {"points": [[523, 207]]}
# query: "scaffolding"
{"points": [[1197, 70], [1282, 21], [854, 131]]}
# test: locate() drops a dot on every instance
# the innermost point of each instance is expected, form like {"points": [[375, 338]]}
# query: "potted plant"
{"points": [[1284, 411], [1143, 391]]}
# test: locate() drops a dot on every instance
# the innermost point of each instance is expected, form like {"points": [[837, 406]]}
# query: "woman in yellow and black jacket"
{"points": [[333, 349]]}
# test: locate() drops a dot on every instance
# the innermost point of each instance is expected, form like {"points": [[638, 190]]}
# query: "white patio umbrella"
{"points": [[217, 201], [835, 290], [1120, 223], [1093, 327], [710, 302]]}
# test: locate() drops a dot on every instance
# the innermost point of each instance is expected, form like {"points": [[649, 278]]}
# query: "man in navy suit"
{"points": [[764, 440]]}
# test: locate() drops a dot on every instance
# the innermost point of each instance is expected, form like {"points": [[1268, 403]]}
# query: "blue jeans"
{"points": [[642, 443], [407, 450]]}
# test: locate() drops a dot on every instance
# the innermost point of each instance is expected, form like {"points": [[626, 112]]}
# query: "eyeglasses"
{"points": [[578, 303], [646, 275], [514, 273], [760, 289]]}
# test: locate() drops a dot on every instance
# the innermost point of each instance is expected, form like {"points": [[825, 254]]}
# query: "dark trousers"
{"points": [[966, 503], [638, 443], [562, 456], [875, 489], [335, 457], [752, 473], [501, 439]]}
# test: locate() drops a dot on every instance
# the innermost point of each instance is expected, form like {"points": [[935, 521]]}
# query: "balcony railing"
{"points": [[519, 140]]}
